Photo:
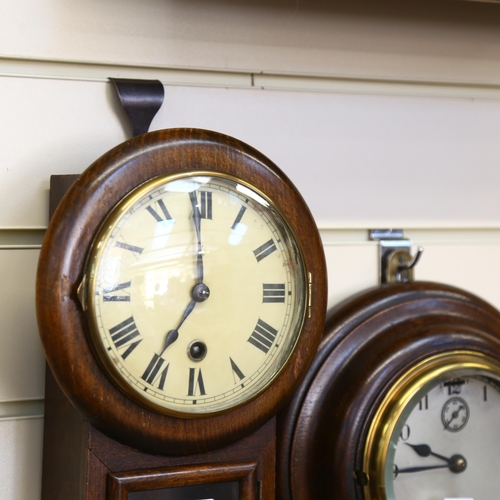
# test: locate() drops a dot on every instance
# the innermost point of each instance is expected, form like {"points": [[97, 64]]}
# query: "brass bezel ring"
{"points": [[89, 285]]}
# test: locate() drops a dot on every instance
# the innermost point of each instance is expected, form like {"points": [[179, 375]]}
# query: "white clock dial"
{"points": [[445, 445], [197, 293]]}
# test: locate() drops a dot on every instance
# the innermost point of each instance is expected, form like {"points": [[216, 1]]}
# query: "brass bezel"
{"points": [[417, 380], [93, 260]]}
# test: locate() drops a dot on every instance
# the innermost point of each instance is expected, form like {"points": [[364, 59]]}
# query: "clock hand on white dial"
{"points": [[197, 225], [424, 450], [456, 463], [200, 291]]}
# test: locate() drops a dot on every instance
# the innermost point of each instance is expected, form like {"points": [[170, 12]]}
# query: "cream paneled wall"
{"points": [[383, 115]]}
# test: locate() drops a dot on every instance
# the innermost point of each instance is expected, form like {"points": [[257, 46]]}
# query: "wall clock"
{"points": [[400, 402], [181, 293]]}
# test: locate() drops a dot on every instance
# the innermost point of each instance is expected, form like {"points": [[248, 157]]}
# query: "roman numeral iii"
{"points": [[125, 337], [263, 336], [273, 292]]}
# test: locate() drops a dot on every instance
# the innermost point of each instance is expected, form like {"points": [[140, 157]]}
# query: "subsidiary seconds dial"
{"points": [[196, 292]]}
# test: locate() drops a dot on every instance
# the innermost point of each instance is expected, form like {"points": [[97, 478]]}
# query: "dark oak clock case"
{"points": [[100, 445]]}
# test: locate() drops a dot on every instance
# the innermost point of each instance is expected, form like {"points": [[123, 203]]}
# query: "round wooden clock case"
{"points": [[373, 341], [65, 327]]}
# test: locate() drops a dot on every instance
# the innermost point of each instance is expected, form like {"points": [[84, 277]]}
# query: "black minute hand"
{"points": [[418, 469], [197, 225], [424, 450], [200, 292]]}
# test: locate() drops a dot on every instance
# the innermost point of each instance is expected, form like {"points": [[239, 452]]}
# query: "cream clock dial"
{"points": [[196, 293]]}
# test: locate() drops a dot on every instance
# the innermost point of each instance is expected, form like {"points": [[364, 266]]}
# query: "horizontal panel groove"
{"points": [[360, 85], [32, 238], [76, 70], [21, 409], [455, 236], [21, 238], [96, 71]]}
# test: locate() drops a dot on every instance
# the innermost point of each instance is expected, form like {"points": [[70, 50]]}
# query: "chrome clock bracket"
{"points": [[396, 262]]}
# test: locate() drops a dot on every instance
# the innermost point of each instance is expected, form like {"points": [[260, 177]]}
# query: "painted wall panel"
{"points": [[474, 267], [54, 127], [22, 364], [351, 269], [360, 161], [391, 39], [21, 459]]}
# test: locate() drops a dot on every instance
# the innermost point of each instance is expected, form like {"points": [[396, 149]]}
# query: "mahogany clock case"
{"points": [[62, 322], [371, 340]]}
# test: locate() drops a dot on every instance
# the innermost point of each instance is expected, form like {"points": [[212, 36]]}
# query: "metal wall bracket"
{"points": [[141, 100], [396, 262]]}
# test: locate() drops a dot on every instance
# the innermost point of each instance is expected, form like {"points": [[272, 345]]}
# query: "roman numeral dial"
{"points": [[203, 294]]}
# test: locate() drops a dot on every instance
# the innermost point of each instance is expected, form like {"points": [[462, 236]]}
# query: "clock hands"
{"points": [[424, 450], [197, 225], [456, 463], [200, 291], [173, 335], [398, 471]]}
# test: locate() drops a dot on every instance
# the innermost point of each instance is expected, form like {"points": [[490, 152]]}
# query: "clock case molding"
{"points": [[371, 340], [91, 428]]}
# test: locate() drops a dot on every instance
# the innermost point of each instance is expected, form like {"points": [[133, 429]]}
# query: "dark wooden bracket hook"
{"points": [[141, 100]]}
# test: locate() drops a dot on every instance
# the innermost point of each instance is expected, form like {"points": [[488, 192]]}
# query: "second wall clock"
{"points": [[401, 401]]}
